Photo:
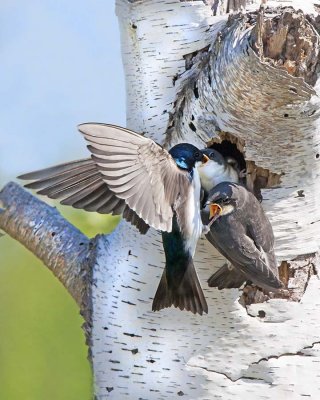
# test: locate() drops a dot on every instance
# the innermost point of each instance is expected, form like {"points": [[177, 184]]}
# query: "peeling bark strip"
{"points": [[272, 116], [288, 41], [42, 230], [230, 93], [141, 354]]}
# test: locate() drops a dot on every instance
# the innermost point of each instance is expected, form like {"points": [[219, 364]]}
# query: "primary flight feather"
{"points": [[132, 175]]}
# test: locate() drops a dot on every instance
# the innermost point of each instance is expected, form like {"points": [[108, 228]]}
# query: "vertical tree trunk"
{"points": [[248, 82], [230, 352]]}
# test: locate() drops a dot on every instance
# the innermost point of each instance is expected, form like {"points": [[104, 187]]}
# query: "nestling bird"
{"points": [[241, 232], [217, 169], [132, 175]]}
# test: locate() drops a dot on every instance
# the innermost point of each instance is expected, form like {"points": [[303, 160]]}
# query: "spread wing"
{"points": [[127, 174], [138, 171], [80, 185]]}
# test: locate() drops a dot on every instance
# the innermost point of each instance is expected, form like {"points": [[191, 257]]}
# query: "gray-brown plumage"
{"points": [[126, 172], [80, 184], [243, 234], [132, 175]]}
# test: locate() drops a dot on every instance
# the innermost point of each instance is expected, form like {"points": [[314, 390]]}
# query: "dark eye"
{"points": [[226, 200], [197, 154], [211, 155]]}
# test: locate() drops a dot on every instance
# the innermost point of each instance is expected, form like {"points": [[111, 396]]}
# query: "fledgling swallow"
{"points": [[132, 175], [218, 169], [241, 232]]}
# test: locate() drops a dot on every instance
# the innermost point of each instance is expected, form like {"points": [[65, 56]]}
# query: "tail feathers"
{"points": [[186, 295], [226, 278]]}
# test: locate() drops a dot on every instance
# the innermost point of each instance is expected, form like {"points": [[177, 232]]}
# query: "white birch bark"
{"points": [[229, 353], [264, 351]]}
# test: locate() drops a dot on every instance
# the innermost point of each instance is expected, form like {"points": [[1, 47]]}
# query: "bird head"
{"points": [[187, 156], [213, 170], [223, 199], [214, 156]]}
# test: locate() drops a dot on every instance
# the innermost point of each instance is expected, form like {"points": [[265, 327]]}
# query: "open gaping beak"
{"points": [[205, 159], [214, 213]]}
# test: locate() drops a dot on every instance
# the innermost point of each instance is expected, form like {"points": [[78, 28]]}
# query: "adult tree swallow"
{"points": [[218, 169], [132, 175], [241, 232], [179, 284]]}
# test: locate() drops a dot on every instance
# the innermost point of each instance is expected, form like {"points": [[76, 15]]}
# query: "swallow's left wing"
{"points": [[127, 174], [255, 263]]}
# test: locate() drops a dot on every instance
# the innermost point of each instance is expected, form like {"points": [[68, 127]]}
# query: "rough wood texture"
{"points": [[271, 113], [295, 274], [288, 41], [194, 77], [42, 230], [233, 352]]}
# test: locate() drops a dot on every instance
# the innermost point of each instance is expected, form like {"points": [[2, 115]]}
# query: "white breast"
{"points": [[212, 173], [193, 227]]}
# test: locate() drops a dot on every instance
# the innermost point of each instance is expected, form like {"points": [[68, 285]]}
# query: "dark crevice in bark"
{"points": [[297, 353], [256, 178], [225, 374], [196, 56], [288, 41], [244, 377], [260, 178]]}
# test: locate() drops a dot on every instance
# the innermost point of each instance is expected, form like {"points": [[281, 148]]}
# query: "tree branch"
{"points": [[42, 230]]}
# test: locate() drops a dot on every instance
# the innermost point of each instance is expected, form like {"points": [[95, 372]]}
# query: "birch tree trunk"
{"points": [[198, 75]]}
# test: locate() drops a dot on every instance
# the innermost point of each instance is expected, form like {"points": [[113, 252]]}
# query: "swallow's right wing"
{"points": [[127, 174], [137, 170]]}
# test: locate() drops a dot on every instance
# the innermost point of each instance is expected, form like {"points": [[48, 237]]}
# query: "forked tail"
{"points": [[181, 291]]}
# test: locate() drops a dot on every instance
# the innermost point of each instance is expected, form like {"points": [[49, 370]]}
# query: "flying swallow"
{"points": [[132, 175], [241, 232]]}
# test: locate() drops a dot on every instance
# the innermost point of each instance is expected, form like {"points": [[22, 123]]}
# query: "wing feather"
{"points": [[58, 191], [69, 182], [125, 170], [57, 170], [145, 176], [96, 204], [85, 195], [249, 260]]}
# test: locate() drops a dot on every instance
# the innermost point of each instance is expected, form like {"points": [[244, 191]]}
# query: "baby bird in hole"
{"points": [[218, 169]]}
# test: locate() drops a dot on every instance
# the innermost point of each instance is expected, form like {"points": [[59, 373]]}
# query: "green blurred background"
{"points": [[42, 348], [60, 66]]}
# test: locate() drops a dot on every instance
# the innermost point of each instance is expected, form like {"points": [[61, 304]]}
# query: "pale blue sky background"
{"points": [[60, 65]]}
